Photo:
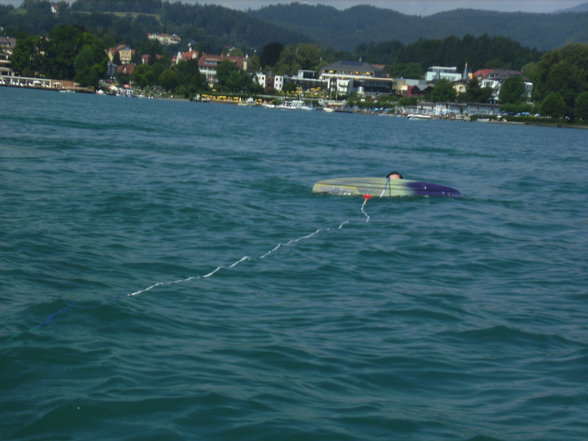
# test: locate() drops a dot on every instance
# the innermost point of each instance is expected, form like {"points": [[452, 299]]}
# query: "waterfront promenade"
{"points": [[42, 83]]}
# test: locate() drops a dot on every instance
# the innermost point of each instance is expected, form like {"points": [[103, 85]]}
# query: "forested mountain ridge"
{"points": [[211, 27], [348, 28], [215, 27]]}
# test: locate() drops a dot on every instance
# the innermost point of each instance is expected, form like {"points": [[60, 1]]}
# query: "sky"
{"points": [[415, 7]]}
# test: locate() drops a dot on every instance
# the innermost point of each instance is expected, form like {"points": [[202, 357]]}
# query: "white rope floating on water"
{"points": [[365, 199], [246, 258], [70, 305]]}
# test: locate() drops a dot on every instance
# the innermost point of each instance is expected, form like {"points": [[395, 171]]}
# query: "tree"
{"points": [[270, 54], [513, 91], [530, 70], [442, 92], [25, 56], [253, 65], [153, 48], [564, 71], [42, 5], [235, 52], [405, 70], [89, 66], [63, 45], [387, 52], [116, 58], [299, 56], [582, 106], [289, 87], [142, 75], [475, 93], [553, 105], [568, 80], [157, 69], [231, 78], [168, 79], [407, 101], [190, 80]]}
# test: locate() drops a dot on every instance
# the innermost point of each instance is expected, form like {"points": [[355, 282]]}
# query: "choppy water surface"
{"points": [[448, 319]]}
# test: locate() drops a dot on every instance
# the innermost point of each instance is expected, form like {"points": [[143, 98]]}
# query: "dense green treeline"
{"points": [[561, 81], [477, 52], [142, 6], [410, 61], [184, 79], [66, 53], [71, 53]]}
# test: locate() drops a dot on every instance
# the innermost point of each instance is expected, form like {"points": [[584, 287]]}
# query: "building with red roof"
{"points": [[494, 78], [185, 56], [208, 63]]}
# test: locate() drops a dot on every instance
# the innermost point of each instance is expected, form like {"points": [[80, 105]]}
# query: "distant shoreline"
{"points": [[557, 125]]}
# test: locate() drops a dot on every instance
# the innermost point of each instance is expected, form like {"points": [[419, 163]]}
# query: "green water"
{"points": [[264, 312]]}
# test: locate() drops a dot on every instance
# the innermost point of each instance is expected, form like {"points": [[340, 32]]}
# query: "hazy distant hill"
{"points": [[347, 29], [580, 8]]}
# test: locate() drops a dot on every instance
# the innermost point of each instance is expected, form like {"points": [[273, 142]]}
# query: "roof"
{"points": [[213, 60], [496, 74], [120, 47], [350, 68], [7, 42], [126, 69], [190, 55]]}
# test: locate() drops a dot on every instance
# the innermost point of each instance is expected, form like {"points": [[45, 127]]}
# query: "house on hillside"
{"points": [[165, 39], [262, 79], [111, 69], [279, 83], [411, 87], [147, 59], [460, 86], [185, 56], [125, 69], [208, 63], [494, 78], [7, 45], [269, 81], [125, 53]]}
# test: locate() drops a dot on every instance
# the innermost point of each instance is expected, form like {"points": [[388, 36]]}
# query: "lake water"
{"points": [[167, 274]]}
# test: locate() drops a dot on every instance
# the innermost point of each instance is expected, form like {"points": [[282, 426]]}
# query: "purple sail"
{"points": [[428, 189]]}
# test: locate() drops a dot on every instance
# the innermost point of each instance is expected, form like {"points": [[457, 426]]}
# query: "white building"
{"points": [[443, 73], [347, 77], [494, 78], [165, 39], [7, 45], [261, 79], [279, 83]]}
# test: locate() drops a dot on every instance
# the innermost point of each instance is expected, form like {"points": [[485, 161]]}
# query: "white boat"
{"points": [[294, 105], [417, 116]]}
